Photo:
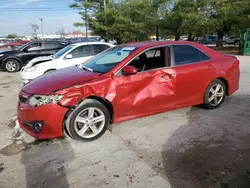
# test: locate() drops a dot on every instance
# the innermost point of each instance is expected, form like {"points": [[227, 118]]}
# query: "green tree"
{"points": [[12, 36], [121, 20], [222, 16]]}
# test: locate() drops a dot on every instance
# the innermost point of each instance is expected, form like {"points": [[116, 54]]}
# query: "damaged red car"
{"points": [[125, 82]]}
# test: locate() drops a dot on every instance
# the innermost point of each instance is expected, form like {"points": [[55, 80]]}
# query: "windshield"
{"points": [[105, 61], [62, 51]]}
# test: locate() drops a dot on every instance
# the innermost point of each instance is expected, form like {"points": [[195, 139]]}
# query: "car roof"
{"points": [[89, 43], [55, 41], [149, 44]]}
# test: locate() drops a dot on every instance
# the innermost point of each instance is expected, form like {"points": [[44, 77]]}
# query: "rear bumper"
{"points": [[50, 117]]}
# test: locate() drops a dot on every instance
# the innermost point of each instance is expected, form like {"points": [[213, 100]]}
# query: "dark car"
{"points": [[14, 60]]}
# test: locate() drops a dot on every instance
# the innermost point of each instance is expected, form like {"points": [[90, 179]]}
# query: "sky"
{"points": [[16, 15]]}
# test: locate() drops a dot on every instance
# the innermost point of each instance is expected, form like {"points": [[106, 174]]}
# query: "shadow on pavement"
{"points": [[213, 149], [46, 162]]}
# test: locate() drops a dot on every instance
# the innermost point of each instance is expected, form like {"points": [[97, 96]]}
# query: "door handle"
{"points": [[171, 75]]}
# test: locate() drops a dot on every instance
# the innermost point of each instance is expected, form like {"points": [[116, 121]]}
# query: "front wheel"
{"points": [[12, 65], [89, 121], [215, 94]]}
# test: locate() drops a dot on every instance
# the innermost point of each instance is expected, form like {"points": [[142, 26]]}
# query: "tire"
{"points": [[12, 65], [210, 98], [224, 43], [79, 120]]}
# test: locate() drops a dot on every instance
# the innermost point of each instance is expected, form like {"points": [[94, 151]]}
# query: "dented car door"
{"points": [[148, 91]]}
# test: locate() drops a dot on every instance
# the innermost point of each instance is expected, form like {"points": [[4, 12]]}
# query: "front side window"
{"points": [[105, 61], [82, 51], [34, 46], [186, 54], [151, 59], [62, 51], [98, 48]]}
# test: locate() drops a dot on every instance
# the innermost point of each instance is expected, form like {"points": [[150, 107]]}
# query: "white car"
{"points": [[68, 56]]}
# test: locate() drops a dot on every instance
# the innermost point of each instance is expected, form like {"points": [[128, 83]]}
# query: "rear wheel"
{"points": [[215, 94], [89, 121], [12, 65]]}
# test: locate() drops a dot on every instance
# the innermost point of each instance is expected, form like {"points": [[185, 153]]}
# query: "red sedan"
{"points": [[125, 82]]}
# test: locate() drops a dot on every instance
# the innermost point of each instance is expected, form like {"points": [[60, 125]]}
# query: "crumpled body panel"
{"points": [[134, 95]]}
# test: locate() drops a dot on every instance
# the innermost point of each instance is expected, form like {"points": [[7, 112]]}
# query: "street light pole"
{"points": [[41, 25], [106, 21]]}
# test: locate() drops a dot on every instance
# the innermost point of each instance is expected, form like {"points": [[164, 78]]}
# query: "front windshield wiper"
{"points": [[86, 68]]}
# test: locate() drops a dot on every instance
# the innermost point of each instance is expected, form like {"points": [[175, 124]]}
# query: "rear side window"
{"points": [[82, 51], [98, 48], [51, 45], [186, 54]]}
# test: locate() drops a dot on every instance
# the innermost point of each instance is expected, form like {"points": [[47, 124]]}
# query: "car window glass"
{"points": [[82, 51], [151, 59], [203, 56], [105, 61], [185, 54], [52, 45], [34, 46], [99, 48]]}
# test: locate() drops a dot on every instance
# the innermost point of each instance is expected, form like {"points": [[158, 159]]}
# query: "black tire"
{"points": [[224, 43], [207, 94], [12, 65], [88, 103]]}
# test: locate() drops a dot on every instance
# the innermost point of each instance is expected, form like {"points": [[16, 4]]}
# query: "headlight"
{"points": [[30, 69], [1, 55], [39, 100]]}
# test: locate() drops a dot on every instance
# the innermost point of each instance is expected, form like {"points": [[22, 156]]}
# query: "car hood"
{"points": [[39, 60], [6, 52], [60, 79]]}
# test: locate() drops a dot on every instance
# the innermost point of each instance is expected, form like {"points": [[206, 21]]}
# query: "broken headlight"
{"points": [[39, 100]]}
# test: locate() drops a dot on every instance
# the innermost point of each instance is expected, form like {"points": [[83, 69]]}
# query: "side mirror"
{"points": [[129, 70], [69, 56]]}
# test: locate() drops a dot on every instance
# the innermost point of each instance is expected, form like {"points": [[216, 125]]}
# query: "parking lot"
{"points": [[185, 148]]}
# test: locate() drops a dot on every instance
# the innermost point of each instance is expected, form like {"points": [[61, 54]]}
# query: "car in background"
{"points": [[14, 60], [68, 56], [209, 39], [124, 82], [231, 40], [11, 46]]}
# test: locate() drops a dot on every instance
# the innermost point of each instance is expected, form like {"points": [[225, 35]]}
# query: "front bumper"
{"points": [[50, 117]]}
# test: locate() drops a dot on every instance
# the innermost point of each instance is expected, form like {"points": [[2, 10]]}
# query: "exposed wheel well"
{"points": [[225, 82], [106, 103]]}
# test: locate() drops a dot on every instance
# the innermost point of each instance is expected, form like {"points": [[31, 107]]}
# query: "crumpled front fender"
{"points": [[72, 96]]}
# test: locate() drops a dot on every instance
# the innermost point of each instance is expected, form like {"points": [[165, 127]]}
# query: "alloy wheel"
{"points": [[11, 66], [216, 94], [89, 122]]}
